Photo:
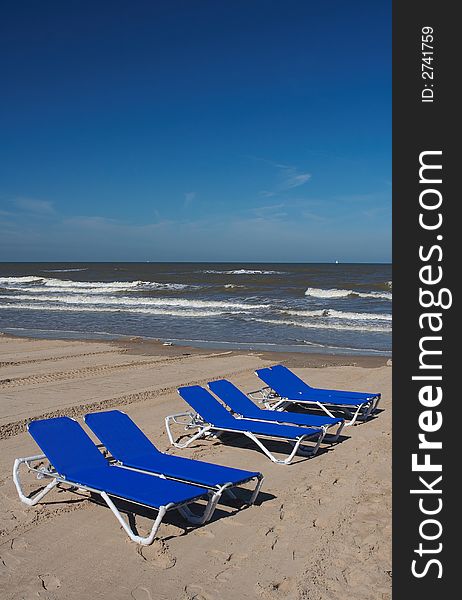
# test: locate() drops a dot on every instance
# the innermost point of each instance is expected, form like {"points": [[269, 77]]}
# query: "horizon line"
{"points": [[215, 262]]}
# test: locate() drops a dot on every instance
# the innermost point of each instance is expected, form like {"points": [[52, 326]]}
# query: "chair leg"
{"points": [[200, 433], [259, 481], [375, 405], [316, 448], [331, 438], [371, 408], [229, 492], [256, 491], [296, 448], [187, 513], [354, 417], [25, 499], [144, 541]]}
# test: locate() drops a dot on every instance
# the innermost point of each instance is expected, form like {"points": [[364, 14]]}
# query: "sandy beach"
{"points": [[321, 529]]}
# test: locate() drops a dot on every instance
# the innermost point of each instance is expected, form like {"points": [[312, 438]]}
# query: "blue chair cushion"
{"points": [[214, 413], [129, 445], [78, 460], [239, 403], [288, 385]]}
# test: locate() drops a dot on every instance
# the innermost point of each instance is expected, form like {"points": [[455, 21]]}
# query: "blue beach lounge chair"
{"points": [[211, 417], [131, 448], [243, 407], [75, 461], [285, 388]]}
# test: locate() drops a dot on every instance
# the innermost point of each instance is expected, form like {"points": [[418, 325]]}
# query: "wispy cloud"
{"points": [[114, 226], [189, 198], [312, 216], [243, 235], [297, 179], [91, 222], [271, 212], [376, 211], [33, 205], [290, 177]]}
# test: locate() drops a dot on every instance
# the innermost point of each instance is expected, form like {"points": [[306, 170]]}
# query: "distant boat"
{"points": [[336, 262]]}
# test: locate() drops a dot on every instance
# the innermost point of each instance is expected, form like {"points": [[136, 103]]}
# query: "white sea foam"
{"points": [[107, 309], [62, 270], [331, 293], [335, 293], [20, 280], [123, 302], [340, 314], [35, 293], [316, 325], [97, 287], [337, 347], [244, 272]]}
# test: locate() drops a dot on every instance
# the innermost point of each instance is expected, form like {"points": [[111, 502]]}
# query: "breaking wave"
{"points": [[340, 314], [95, 287], [317, 325], [62, 270], [107, 309], [244, 272], [335, 293], [244, 303], [134, 302]]}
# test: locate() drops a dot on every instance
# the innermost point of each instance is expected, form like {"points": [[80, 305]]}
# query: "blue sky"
{"points": [[195, 130]]}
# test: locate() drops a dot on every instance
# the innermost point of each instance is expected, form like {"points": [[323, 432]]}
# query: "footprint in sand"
{"points": [[286, 588], [204, 533], [234, 559], [19, 544], [235, 523], [326, 499], [281, 512], [10, 561], [219, 556], [321, 522], [157, 555], [273, 537], [49, 582], [196, 592], [141, 593], [35, 589], [224, 576]]}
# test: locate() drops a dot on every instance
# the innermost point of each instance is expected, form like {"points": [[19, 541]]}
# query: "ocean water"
{"points": [[335, 308]]}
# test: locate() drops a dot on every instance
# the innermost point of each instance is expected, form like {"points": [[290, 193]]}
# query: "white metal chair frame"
{"points": [[191, 420], [271, 400], [56, 479], [330, 437], [225, 488]]}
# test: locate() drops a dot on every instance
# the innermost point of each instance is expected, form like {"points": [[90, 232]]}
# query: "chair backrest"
{"points": [[234, 398], [121, 436], [206, 406], [282, 381], [290, 378], [66, 445]]}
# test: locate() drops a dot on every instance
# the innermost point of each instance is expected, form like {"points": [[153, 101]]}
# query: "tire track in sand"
{"points": [[16, 427], [29, 361], [82, 373]]}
